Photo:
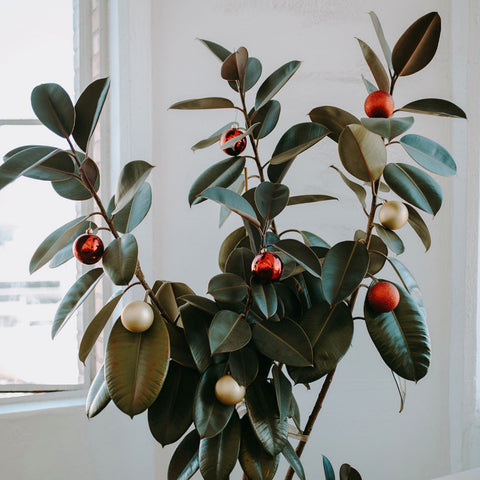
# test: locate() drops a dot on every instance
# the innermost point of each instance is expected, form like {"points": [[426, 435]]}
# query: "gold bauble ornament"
{"points": [[137, 316], [228, 391], [393, 215]]}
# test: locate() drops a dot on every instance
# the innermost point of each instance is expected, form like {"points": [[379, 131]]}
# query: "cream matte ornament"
{"points": [[228, 391], [137, 316], [393, 215]]}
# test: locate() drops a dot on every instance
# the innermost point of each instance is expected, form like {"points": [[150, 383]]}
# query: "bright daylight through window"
{"points": [[36, 45]]}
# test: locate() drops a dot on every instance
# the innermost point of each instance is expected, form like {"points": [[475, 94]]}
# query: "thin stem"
{"points": [[394, 79]]}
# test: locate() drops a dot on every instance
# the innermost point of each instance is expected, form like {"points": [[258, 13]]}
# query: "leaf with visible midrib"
{"points": [[98, 397], [184, 461]]}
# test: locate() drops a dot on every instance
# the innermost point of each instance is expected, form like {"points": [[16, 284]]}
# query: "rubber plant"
{"points": [[216, 373]]}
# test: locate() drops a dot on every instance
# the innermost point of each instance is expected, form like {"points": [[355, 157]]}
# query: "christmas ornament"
{"points": [[393, 215], [228, 391], [266, 267], [88, 248], [239, 147], [137, 316], [379, 104], [383, 296]]}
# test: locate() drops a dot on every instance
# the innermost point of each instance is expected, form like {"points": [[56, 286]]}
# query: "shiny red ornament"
{"points": [[88, 248], [239, 147], [267, 267], [383, 297], [379, 105]]}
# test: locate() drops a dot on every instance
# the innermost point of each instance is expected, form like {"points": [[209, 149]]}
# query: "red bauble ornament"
{"points": [[379, 104], [239, 147], [266, 267], [88, 248], [383, 297]]}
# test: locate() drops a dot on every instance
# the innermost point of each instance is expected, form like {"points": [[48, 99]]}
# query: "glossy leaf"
{"points": [[265, 297], [74, 189], [377, 260], [136, 365], [238, 186], [267, 117], [240, 263], [218, 455], [256, 462], [381, 39], [98, 397], [235, 65], [388, 127], [210, 416], [203, 104], [328, 469], [331, 331], [54, 243], [401, 337], [417, 46], [414, 186], [357, 189], [135, 211], [234, 202], [131, 179], [252, 74], [390, 238], [120, 259], [297, 139], [294, 413], [429, 154], [363, 153], [213, 138], [376, 67], [244, 365], [283, 391], [301, 254], [370, 87], [170, 415], [289, 453], [284, 341], [97, 325], [201, 303], [88, 109], [344, 268], [184, 462], [333, 118], [196, 323], [229, 331], [271, 199], [347, 472], [53, 108], [179, 349], [228, 288], [220, 52], [301, 199], [75, 296], [169, 295], [419, 226], [228, 245], [434, 106], [275, 82], [312, 240], [221, 174], [269, 429]]}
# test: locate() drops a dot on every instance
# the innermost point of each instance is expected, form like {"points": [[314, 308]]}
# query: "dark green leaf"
{"points": [[75, 296], [376, 67], [284, 341], [184, 462], [390, 238], [120, 259], [54, 243], [203, 104], [333, 118], [210, 416], [228, 245], [414, 186], [294, 413], [53, 108], [237, 186], [312, 240], [271, 199], [136, 365], [377, 260], [179, 349], [213, 138], [202, 303], [270, 430], [434, 106], [220, 52], [388, 127], [267, 116], [135, 211], [131, 179], [328, 469], [401, 337], [240, 262], [301, 254], [289, 453], [381, 39], [421, 229], [357, 189], [255, 461], [228, 332], [283, 391], [170, 415], [98, 323], [169, 295], [429, 154], [221, 174], [369, 85], [244, 365], [218, 455], [265, 297], [74, 189], [417, 46], [301, 199], [349, 473], [252, 74], [88, 109], [98, 397], [363, 153], [344, 268], [275, 82], [228, 288]]}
